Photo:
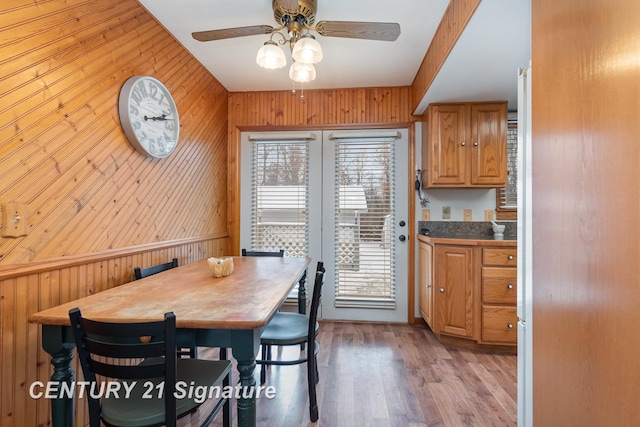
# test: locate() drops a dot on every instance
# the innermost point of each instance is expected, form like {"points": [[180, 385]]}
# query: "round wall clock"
{"points": [[149, 116]]}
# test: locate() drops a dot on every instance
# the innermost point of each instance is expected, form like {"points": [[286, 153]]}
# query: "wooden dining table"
{"points": [[226, 312]]}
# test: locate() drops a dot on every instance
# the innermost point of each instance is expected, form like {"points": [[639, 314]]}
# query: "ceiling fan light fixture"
{"points": [[270, 56], [307, 50], [302, 73]]}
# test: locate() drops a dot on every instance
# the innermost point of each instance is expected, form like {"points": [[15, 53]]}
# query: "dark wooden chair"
{"points": [[139, 273], [112, 350], [286, 329]]}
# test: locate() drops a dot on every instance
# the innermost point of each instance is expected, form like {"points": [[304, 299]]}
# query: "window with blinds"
{"points": [[280, 197], [507, 197], [364, 214]]}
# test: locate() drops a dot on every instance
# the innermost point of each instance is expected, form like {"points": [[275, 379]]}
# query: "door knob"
{"points": [[402, 238], [402, 223]]}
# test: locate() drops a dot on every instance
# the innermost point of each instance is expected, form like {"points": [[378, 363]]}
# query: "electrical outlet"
{"points": [[426, 215], [488, 215], [446, 212], [468, 215]]}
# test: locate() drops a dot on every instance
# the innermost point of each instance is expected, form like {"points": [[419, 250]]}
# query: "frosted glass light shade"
{"points": [[302, 73], [307, 50], [270, 56]]}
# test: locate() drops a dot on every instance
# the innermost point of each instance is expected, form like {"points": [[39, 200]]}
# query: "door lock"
{"points": [[402, 238]]}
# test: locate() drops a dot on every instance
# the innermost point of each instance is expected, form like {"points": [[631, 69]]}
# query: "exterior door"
{"points": [[364, 223], [340, 197]]}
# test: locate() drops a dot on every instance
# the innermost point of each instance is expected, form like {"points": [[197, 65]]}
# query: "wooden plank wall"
{"points": [[37, 286], [453, 23], [62, 150], [96, 207], [354, 108]]}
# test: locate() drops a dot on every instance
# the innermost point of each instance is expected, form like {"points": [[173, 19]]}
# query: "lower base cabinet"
{"points": [[469, 291]]}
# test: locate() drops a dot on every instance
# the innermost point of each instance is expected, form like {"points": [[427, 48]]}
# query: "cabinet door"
{"points": [[447, 155], [425, 291], [488, 144], [454, 290]]}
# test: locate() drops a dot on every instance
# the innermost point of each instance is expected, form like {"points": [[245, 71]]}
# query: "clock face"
{"points": [[149, 116]]}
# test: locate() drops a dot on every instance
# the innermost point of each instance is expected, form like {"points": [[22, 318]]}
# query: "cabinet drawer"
{"points": [[499, 285], [499, 325], [500, 256]]}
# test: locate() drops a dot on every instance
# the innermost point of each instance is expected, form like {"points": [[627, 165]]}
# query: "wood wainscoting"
{"points": [[28, 288]]}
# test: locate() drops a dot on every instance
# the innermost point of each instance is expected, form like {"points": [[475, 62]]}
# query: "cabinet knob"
{"points": [[442, 290], [510, 325], [475, 144], [463, 143], [509, 286], [510, 257]]}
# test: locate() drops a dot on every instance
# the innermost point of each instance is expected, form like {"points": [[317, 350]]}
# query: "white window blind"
{"points": [[280, 196], [508, 195], [364, 213]]}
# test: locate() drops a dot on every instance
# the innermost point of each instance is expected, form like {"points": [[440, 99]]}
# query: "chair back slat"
{"points": [[154, 269], [279, 253], [128, 372], [125, 351]]}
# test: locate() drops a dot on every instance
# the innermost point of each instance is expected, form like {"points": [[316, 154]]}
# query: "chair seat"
{"points": [[138, 410], [286, 329]]}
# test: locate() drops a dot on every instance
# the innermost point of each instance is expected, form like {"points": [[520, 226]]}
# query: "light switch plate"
{"points": [[468, 215], [426, 214], [488, 215], [14, 219]]}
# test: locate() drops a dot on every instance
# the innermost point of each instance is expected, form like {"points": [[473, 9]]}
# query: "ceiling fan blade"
{"points": [[384, 31], [228, 33]]}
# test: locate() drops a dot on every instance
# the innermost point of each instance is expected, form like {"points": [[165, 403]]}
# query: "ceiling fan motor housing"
{"points": [[285, 11]]}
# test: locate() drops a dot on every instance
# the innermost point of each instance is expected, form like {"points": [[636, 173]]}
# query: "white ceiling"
{"points": [[482, 66]]}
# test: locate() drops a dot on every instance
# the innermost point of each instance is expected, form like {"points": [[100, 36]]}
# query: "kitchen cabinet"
{"points": [[453, 302], [467, 290], [425, 282], [498, 296], [465, 145]]}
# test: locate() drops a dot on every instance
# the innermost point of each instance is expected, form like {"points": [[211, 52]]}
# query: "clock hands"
{"points": [[159, 118]]}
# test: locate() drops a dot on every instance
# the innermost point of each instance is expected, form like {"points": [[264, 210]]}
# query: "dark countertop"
{"points": [[468, 240]]}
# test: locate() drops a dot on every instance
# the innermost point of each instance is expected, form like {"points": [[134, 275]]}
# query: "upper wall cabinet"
{"points": [[465, 145]]}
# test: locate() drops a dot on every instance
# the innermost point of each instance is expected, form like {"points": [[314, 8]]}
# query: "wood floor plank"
{"points": [[388, 375]]}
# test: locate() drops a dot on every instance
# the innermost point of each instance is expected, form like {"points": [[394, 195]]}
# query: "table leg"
{"points": [[247, 399], [53, 342], [245, 348]]}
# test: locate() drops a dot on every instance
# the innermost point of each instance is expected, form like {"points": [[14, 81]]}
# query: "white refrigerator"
{"points": [[525, 246]]}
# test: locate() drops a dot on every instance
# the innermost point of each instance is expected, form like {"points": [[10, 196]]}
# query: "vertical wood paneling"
{"points": [[51, 284], [452, 24], [359, 107]]}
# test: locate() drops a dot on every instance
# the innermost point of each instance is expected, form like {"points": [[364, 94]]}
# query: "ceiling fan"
{"points": [[299, 15]]}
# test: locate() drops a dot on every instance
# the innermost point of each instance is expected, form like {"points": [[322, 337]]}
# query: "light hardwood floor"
{"points": [[390, 375]]}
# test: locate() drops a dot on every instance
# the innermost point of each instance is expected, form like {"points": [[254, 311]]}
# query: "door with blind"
{"points": [[340, 197], [365, 206]]}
